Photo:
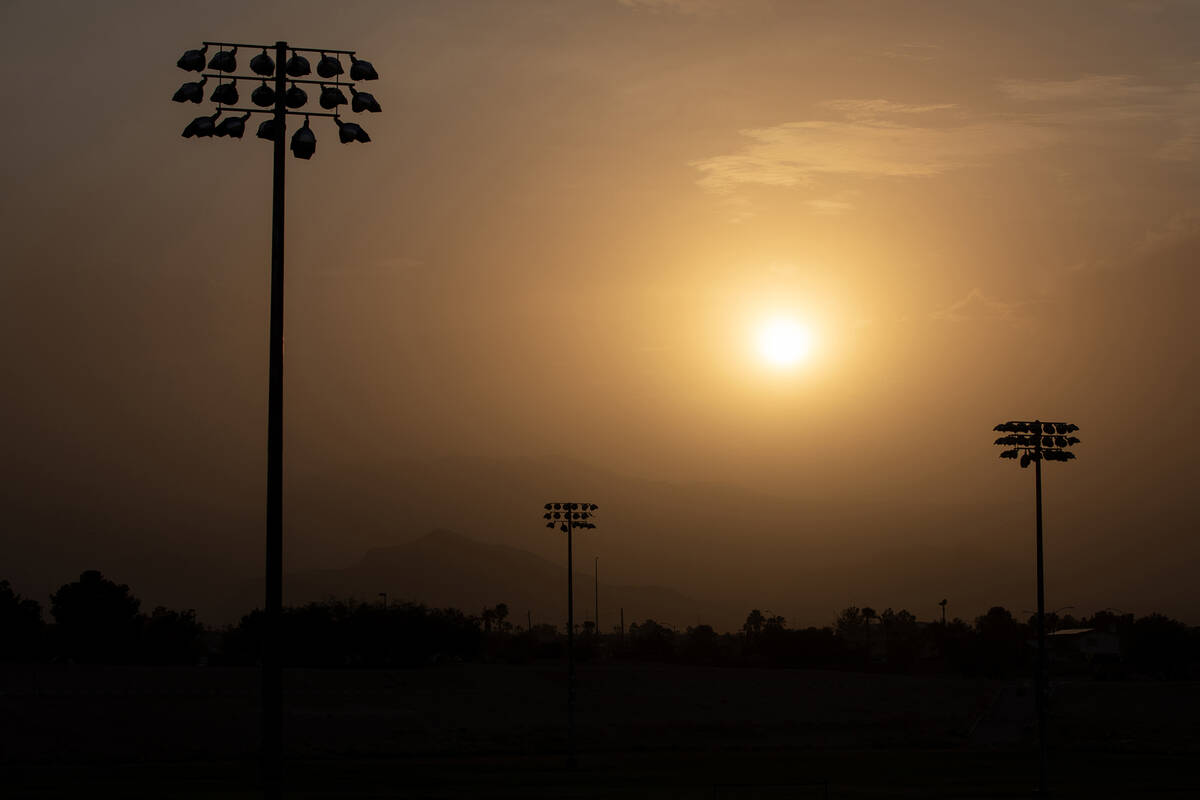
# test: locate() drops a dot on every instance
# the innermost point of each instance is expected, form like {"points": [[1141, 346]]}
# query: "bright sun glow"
{"points": [[784, 342]]}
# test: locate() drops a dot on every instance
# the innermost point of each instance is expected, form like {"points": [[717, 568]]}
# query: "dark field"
{"points": [[652, 731]]}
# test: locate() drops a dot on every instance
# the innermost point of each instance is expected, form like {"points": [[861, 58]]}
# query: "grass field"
{"points": [[654, 731]]}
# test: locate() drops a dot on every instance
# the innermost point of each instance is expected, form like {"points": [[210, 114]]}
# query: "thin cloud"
{"points": [[676, 6], [1179, 228], [1096, 104], [978, 306], [912, 51], [839, 203], [795, 153], [877, 137], [1183, 148], [1088, 88], [870, 109]]}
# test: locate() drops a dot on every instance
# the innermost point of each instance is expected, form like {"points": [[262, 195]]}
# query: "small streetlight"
{"points": [[1032, 443], [567, 517], [222, 69]]}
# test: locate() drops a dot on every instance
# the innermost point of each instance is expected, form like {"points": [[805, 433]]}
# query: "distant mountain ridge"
{"points": [[447, 569]]}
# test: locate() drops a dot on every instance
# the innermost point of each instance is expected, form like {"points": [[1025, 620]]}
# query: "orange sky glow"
{"points": [[552, 262]]}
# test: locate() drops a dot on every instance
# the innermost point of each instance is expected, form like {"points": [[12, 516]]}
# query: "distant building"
{"points": [[1090, 644]]}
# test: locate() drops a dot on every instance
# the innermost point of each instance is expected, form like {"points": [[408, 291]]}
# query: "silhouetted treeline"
{"points": [[338, 633], [1105, 645], [98, 621]]}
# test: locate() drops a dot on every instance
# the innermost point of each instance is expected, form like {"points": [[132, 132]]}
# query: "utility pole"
{"points": [[1035, 442], [596, 612]]}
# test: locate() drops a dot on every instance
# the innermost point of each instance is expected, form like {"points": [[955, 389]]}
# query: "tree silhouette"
{"points": [[868, 614], [651, 640], [21, 626], [753, 625], [701, 644], [901, 638], [97, 618], [171, 637], [1160, 647], [1001, 641], [849, 623]]}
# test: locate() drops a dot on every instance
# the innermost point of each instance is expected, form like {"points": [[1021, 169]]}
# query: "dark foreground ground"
{"points": [[645, 731]]}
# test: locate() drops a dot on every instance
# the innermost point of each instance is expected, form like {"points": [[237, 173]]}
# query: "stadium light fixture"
{"points": [[331, 97], [297, 66], [263, 64], [192, 60], [190, 92], [226, 94], [362, 70], [329, 66], [363, 101], [224, 60], [350, 132]]}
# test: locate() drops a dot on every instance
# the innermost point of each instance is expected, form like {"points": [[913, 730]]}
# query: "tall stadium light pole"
{"points": [[278, 102], [567, 517], [1032, 443]]}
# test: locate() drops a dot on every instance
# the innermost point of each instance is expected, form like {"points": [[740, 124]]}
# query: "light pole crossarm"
{"points": [[289, 47], [225, 76], [272, 111]]}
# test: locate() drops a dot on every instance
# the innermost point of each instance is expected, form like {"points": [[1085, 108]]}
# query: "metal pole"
{"points": [[571, 762], [272, 663], [1043, 789], [596, 614]]}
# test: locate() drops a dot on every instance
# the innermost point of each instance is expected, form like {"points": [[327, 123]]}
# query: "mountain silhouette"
{"points": [[444, 568], [803, 556]]}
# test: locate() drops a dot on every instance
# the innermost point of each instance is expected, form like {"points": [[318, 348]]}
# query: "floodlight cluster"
{"points": [[566, 516], [225, 94], [1037, 441]]}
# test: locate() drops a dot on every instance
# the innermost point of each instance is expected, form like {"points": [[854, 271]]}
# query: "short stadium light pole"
{"points": [[1032, 443], [567, 517], [278, 102]]}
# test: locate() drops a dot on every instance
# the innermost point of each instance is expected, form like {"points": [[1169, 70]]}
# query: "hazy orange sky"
{"points": [[569, 221]]}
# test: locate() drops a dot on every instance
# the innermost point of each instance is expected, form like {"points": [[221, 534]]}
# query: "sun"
{"points": [[783, 342]]}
